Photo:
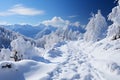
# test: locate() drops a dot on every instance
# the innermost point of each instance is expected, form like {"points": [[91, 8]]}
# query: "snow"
{"points": [[73, 60], [86, 61], [114, 16], [5, 54], [25, 70], [78, 60]]}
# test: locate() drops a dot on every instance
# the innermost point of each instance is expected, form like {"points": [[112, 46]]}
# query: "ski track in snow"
{"points": [[77, 66]]}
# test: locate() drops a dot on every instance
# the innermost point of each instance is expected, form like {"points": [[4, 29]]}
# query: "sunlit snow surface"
{"points": [[75, 60]]}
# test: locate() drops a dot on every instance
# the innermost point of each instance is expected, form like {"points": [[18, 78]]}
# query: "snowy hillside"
{"points": [[6, 37], [76, 60], [84, 61], [27, 30]]}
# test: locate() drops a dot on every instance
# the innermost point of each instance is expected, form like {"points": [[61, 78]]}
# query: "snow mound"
{"points": [[24, 70]]}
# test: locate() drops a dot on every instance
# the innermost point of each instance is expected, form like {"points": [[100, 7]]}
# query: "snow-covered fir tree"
{"points": [[114, 16], [95, 29]]}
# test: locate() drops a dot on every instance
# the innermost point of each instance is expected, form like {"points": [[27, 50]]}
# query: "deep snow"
{"points": [[75, 60]]}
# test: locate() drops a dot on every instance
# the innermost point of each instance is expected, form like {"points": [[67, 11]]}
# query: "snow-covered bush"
{"points": [[5, 54], [24, 49], [95, 29], [114, 16]]}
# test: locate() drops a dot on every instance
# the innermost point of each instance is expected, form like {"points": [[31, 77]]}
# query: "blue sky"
{"points": [[35, 11]]}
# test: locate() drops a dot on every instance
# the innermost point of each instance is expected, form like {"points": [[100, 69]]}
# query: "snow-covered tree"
{"points": [[95, 29], [5, 54], [114, 16], [23, 49], [67, 33]]}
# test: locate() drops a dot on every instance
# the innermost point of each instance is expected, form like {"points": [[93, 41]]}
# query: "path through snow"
{"points": [[77, 66], [75, 61]]}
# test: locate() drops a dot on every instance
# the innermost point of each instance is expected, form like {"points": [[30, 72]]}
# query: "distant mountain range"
{"points": [[6, 36], [40, 35], [38, 31]]}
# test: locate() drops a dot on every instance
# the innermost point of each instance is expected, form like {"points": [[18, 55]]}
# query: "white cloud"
{"points": [[73, 16], [19, 9], [59, 22], [56, 22]]}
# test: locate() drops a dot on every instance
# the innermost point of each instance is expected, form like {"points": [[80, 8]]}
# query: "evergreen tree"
{"points": [[114, 16], [95, 29]]}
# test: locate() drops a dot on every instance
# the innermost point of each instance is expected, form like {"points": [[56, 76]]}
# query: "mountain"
{"points": [[6, 37], [46, 31], [27, 30], [38, 31], [68, 33], [46, 35], [30, 30]]}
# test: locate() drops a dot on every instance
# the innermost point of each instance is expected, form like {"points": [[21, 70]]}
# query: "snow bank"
{"points": [[25, 70]]}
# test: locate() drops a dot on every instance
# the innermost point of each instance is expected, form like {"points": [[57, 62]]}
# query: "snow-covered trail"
{"points": [[75, 60], [77, 66]]}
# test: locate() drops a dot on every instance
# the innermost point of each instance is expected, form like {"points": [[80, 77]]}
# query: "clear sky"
{"points": [[35, 11]]}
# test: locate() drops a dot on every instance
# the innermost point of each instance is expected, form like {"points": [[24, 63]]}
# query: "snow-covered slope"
{"points": [[86, 61], [27, 30], [106, 53], [30, 30], [6, 37], [74, 60], [46, 31], [25, 70]]}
